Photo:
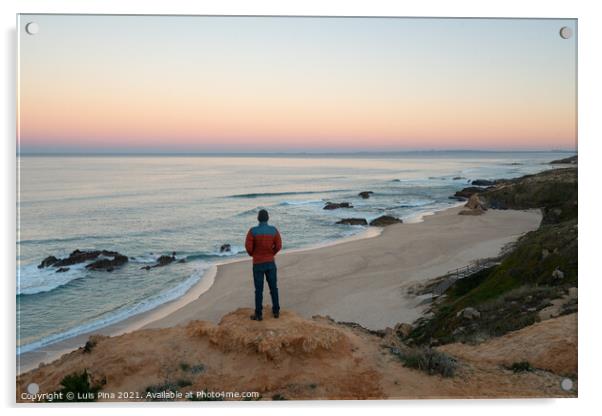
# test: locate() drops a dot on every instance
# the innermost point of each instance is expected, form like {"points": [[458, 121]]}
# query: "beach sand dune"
{"points": [[364, 281]]}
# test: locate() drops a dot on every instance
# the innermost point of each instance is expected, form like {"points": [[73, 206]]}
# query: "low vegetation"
{"points": [[541, 267], [521, 367], [89, 346], [193, 369], [79, 388], [428, 360], [554, 191]]}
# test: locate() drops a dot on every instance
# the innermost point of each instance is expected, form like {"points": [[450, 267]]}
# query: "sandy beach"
{"points": [[362, 280]]}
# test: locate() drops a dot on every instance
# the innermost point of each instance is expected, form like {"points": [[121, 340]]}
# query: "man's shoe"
{"points": [[276, 315], [256, 317]]}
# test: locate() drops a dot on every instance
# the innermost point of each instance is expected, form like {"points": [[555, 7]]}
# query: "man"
{"points": [[263, 242]]}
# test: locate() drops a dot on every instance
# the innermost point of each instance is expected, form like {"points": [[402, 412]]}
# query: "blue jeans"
{"points": [[269, 271]]}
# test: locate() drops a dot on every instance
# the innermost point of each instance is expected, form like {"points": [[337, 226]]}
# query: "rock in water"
{"points": [[108, 264], [225, 248], [353, 221], [165, 260], [78, 256], [48, 261], [482, 182], [365, 194], [385, 220], [336, 205]]}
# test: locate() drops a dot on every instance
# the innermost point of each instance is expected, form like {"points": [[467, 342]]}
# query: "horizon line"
{"points": [[291, 153]]}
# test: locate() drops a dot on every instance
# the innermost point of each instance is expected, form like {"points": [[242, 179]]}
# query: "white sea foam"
{"points": [[32, 280], [307, 202], [412, 203], [234, 250], [111, 318], [145, 258]]}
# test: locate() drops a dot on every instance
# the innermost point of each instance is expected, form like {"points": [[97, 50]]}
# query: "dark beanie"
{"points": [[263, 216]]}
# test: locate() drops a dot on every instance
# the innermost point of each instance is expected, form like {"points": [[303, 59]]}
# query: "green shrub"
{"points": [[428, 360], [89, 346], [510, 295], [194, 369], [183, 382], [521, 367], [465, 285], [79, 384], [197, 369]]}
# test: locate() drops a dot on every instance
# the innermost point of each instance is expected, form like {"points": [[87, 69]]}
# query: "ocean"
{"points": [[147, 206]]}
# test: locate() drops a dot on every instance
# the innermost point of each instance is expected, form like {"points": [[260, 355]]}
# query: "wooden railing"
{"points": [[453, 275]]}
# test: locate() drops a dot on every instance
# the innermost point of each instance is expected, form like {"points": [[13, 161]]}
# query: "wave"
{"points": [[283, 203], [266, 194], [414, 203], [32, 280], [66, 239], [111, 318], [308, 202], [145, 233], [150, 258], [418, 216], [145, 258], [248, 211], [234, 250]]}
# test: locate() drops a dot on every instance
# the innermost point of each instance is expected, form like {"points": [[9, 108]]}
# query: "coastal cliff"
{"points": [[535, 279], [295, 358]]}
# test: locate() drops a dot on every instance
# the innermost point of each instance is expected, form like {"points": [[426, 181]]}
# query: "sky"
{"points": [[89, 83]]}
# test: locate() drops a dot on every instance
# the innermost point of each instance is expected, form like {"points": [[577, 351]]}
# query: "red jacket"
{"points": [[263, 242]]}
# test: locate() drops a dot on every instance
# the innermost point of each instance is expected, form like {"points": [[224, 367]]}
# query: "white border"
{"points": [[590, 29]]}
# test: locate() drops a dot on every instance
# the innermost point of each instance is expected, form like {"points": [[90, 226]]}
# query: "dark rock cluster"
{"points": [[109, 260], [337, 205], [385, 220], [353, 221], [163, 260]]}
